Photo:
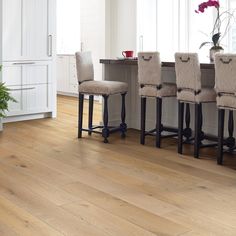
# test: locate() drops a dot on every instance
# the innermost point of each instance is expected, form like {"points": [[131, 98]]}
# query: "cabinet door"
{"points": [[16, 108], [31, 99], [73, 72], [11, 74], [30, 84], [36, 37], [28, 29], [63, 71], [37, 73], [26, 73], [12, 30], [38, 98]]}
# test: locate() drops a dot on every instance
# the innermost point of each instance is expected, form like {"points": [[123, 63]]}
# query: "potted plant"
{"points": [[5, 97], [216, 35]]}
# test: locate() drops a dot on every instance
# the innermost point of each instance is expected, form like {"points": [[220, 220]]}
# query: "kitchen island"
{"points": [[127, 71]]}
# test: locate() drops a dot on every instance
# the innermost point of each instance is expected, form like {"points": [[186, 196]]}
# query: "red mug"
{"points": [[128, 53]]}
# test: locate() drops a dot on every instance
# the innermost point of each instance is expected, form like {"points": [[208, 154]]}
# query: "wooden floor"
{"points": [[53, 184]]}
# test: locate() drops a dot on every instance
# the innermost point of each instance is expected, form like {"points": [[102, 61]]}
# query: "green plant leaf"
{"points": [[215, 39], [204, 43], [5, 97]]}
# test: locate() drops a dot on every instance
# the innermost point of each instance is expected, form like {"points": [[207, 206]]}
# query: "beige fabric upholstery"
{"points": [[167, 90], [226, 101], [206, 95], [149, 77], [225, 78], [188, 73], [87, 85], [188, 79], [149, 68], [103, 87], [84, 64]]}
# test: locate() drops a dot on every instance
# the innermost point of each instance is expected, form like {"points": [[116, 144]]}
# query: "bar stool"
{"points": [[151, 86], [190, 91], [225, 78], [88, 86]]}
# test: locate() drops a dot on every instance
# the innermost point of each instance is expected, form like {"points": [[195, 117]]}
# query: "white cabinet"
{"points": [[32, 99], [27, 29], [27, 73], [11, 29], [28, 57], [67, 83], [31, 85]]}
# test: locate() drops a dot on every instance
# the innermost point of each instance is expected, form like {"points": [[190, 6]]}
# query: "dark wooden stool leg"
{"points": [[90, 118], [201, 133], [197, 139], [230, 141], [143, 119], [80, 114], [180, 126], [158, 121], [187, 131], [105, 130], [123, 125], [221, 118]]}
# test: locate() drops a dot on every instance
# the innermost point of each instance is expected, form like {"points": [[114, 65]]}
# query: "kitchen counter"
{"points": [[127, 71], [166, 64]]}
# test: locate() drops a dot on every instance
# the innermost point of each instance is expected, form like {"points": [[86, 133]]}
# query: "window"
{"points": [[68, 26], [174, 26], [232, 31]]}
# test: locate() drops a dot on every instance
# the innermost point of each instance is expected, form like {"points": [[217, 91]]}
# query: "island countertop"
{"points": [[203, 65]]}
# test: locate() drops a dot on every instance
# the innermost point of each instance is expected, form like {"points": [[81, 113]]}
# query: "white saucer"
{"points": [[126, 58]]}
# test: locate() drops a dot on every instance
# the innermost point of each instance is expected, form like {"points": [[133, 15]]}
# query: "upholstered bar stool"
{"points": [[152, 86], [88, 86], [190, 91], [225, 78]]}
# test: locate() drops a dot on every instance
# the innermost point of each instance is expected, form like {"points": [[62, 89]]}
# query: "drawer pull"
{"points": [[23, 63], [20, 89]]}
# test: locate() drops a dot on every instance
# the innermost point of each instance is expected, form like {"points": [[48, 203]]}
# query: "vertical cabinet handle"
{"points": [[82, 47], [50, 45], [141, 43]]}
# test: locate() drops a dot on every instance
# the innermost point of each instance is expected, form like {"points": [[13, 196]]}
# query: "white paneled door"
{"points": [[26, 30], [12, 29]]}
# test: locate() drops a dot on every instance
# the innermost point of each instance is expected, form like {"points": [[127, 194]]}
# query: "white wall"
{"points": [[93, 31], [121, 29]]}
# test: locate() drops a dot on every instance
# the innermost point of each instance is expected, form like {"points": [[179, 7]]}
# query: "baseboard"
{"points": [[27, 117]]}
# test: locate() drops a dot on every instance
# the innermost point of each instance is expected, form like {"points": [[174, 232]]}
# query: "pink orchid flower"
{"points": [[209, 3]]}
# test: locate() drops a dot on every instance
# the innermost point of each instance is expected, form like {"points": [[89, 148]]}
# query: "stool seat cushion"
{"points": [[226, 101], [166, 90], [103, 87], [205, 95]]}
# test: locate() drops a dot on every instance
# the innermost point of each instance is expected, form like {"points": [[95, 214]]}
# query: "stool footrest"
{"points": [[208, 145], [166, 129], [112, 129]]}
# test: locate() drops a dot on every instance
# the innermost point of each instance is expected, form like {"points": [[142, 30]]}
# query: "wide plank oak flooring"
{"points": [[51, 183]]}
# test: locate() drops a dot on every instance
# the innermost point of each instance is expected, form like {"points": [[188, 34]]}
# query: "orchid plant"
{"points": [[216, 33]]}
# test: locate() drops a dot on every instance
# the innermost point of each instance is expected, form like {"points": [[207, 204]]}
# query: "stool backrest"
{"points": [[225, 73], [84, 65], [188, 72], [149, 68]]}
